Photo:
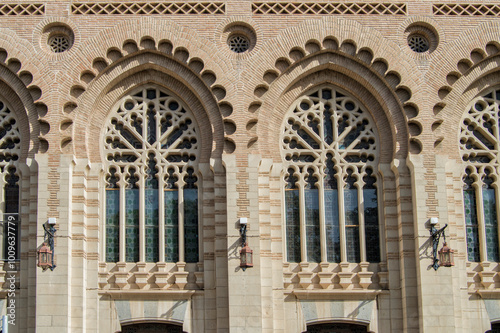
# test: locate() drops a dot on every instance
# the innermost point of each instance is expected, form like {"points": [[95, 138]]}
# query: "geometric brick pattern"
{"points": [[22, 9], [150, 8], [312, 8], [452, 9]]}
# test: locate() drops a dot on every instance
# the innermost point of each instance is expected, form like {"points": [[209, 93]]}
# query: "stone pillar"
{"points": [[53, 289], [435, 288], [245, 307]]}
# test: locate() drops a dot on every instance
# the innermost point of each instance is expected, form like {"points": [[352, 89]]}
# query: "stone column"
{"points": [[222, 204]]}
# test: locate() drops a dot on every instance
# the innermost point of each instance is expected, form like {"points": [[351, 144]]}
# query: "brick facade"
{"points": [[418, 101]]}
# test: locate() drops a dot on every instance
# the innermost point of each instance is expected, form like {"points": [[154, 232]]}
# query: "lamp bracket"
{"points": [[243, 234], [49, 236], [436, 236]]}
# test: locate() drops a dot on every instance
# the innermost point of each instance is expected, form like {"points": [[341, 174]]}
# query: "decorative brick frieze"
{"points": [[328, 8], [466, 9], [22, 9], [148, 8]]}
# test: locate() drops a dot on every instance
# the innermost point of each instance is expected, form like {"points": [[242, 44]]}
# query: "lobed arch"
{"points": [[297, 51], [22, 85], [359, 81], [159, 43], [145, 33], [452, 109], [15, 105], [340, 34], [16, 91], [147, 68], [463, 70]]}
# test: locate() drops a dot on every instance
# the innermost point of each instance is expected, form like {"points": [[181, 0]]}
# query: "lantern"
{"points": [[446, 256], [45, 257], [246, 257]]}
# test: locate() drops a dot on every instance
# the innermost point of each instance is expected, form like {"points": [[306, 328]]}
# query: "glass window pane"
{"points": [[12, 198], [471, 225], [312, 225], [371, 225], [292, 225], [171, 226], [151, 225], [131, 225], [490, 223], [112, 225], [191, 224], [332, 226], [352, 224]]}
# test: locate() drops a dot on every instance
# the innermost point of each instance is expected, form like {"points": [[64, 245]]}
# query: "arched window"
{"points": [[151, 154], [10, 147], [331, 204], [479, 145]]}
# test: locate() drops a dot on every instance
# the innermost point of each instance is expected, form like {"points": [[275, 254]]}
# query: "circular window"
{"points": [[59, 43], [239, 37], [238, 43], [422, 38], [418, 43], [57, 38]]}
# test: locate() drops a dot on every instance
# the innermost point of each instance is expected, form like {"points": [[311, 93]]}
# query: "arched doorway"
{"points": [[336, 328], [152, 328]]}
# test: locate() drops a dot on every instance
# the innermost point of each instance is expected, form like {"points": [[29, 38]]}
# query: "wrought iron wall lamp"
{"points": [[246, 254], [445, 254], [46, 251]]}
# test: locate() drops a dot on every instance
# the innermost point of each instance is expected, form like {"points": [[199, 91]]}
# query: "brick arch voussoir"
{"points": [[464, 70], [16, 105], [147, 36], [297, 46], [22, 89], [452, 110], [459, 68], [141, 31], [110, 47], [96, 102], [378, 103], [386, 102]]}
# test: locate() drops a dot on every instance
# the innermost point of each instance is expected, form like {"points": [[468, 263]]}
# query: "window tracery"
{"points": [[331, 209], [479, 145], [151, 151]]}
